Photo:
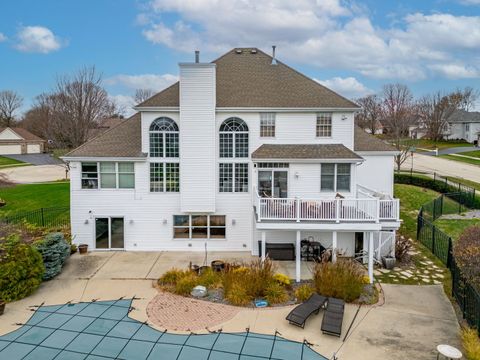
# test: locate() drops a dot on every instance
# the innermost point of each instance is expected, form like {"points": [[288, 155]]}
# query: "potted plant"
{"points": [[83, 248], [2, 306], [388, 262], [73, 249], [2, 202]]}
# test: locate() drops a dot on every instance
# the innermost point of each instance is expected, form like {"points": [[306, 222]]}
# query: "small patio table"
{"points": [[449, 352]]}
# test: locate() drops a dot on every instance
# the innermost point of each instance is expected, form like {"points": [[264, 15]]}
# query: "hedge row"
{"points": [[437, 185]]}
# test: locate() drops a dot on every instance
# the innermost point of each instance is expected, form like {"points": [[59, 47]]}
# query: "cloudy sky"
{"points": [[353, 47]]}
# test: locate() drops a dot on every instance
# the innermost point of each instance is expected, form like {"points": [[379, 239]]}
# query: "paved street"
{"points": [[443, 166]]}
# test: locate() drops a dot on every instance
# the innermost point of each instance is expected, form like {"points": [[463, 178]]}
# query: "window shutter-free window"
{"points": [[343, 177], [126, 175], [267, 124], [327, 177], [324, 124], [89, 176], [108, 175]]}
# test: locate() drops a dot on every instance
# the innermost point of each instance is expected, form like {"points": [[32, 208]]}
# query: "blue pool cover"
{"points": [[103, 330]]}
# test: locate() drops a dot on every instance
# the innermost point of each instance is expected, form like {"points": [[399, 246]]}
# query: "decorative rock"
{"points": [[397, 269], [426, 280], [436, 282], [199, 291]]}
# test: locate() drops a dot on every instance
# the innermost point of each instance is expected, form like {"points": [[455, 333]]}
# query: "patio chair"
{"points": [[302, 312], [333, 317]]}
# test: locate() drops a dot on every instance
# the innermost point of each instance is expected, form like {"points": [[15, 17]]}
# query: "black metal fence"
{"points": [[441, 245], [53, 217]]}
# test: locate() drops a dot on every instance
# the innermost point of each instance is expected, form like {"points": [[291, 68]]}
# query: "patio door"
{"points": [[109, 233], [273, 183]]}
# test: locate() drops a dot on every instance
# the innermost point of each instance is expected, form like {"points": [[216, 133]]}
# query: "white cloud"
{"points": [[349, 87], [323, 33], [3, 37], [456, 71], [470, 2], [37, 39], [125, 103], [144, 81]]}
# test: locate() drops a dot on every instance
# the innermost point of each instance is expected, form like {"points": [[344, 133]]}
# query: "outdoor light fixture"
{"points": [[131, 221], [297, 175], [234, 221], [86, 221], [344, 117]]}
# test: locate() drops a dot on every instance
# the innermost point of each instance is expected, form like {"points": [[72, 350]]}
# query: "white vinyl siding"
{"points": [[197, 137]]}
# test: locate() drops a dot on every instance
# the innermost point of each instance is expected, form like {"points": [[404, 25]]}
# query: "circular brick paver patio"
{"points": [[179, 313]]}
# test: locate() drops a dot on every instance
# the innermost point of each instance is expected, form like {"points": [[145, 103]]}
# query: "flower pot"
{"points": [[83, 248], [218, 265], [388, 262], [194, 268], [2, 307]]}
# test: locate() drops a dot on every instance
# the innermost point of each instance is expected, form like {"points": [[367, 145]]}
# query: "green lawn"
{"points": [[30, 197], [475, 153], [429, 144], [454, 228], [411, 199], [7, 162], [461, 159]]}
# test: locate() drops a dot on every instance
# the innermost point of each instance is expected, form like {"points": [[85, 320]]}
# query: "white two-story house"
{"points": [[239, 152]]}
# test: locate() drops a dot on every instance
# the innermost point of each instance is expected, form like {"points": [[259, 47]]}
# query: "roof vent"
{"points": [[253, 51], [238, 51], [274, 60]]}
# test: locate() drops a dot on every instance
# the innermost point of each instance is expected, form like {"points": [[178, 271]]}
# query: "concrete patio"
{"points": [[408, 325]]}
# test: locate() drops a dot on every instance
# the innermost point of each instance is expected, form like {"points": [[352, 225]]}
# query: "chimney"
{"points": [[274, 61], [197, 56]]}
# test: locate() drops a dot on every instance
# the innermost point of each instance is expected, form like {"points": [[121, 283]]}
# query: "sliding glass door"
{"points": [[273, 183], [109, 233]]}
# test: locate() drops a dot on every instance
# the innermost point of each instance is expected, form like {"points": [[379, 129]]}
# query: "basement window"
{"points": [[199, 226]]}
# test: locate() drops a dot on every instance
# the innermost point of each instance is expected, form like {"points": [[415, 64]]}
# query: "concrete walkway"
{"points": [[443, 167], [409, 325]]}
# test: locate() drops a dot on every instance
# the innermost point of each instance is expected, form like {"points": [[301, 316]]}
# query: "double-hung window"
{"points": [[267, 124], [164, 144], [335, 177], [234, 152], [108, 175], [199, 226], [324, 124]]}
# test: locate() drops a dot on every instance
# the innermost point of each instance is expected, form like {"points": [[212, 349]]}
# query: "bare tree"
{"points": [[142, 94], [468, 97], [368, 118], [397, 110], [10, 102], [77, 103]]}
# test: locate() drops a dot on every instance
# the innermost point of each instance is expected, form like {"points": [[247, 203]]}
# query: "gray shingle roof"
{"points": [[462, 116], [367, 142], [123, 140], [304, 151], [24, 133], [250, 80]]}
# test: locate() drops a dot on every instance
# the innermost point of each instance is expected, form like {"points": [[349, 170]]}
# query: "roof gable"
{"points": [[17, 133], [248, 79], [9, 134]]}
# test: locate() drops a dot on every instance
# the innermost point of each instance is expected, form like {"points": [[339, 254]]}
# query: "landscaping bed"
{"points": [[258, 284]]}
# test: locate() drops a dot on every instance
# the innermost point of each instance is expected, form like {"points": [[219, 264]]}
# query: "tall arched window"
{"points": [[234, 138], [233, 144], [164, 143], [164, 138]]}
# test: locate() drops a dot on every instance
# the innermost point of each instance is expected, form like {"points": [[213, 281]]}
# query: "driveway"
{"points": [[36, 159], [456, 150], [411, 322], [35, 174], [443, 166]]}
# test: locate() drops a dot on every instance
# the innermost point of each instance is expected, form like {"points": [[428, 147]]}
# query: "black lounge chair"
{"points": [[333, 317], [302, 312]]}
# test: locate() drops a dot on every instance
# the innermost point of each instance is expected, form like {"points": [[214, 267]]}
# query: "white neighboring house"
{"points": [[15, 141], [241, 151], [464, 125]]}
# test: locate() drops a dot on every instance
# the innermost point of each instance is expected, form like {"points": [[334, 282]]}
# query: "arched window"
{"points": [[164, 138], [233, 175], [234, 138]]}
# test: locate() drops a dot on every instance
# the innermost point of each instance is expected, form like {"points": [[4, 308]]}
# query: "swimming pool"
{"points": [[103, 330]]}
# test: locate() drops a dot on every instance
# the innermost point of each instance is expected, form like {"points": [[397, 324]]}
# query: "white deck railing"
{"points": [[365, 209]]}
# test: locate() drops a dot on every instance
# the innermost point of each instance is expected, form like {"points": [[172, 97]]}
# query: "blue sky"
{"points": [[353, 47]]}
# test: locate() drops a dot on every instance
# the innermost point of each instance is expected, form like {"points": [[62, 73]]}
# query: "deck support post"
{"points": [[298, 257], [264, 244], [370, 257], [334, 246]]}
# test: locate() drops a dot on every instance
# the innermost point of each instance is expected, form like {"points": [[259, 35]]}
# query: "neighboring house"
{"points": [[240, 152], [19, 141], [104, 125], [464, 125]]}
